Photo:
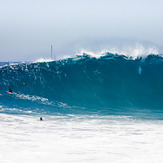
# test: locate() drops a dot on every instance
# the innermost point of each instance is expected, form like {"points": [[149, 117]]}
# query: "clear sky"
{"points": [[29, 27]]}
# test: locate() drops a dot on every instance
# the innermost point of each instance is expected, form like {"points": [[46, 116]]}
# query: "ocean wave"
{"points": [[108, 82]]}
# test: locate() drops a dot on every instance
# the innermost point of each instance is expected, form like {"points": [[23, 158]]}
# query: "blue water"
{"points": [[109, 85]]}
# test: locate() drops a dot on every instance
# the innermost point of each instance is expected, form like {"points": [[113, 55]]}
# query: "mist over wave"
{"points": [[97, 47]]}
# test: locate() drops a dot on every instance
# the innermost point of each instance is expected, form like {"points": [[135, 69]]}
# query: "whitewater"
{"points": [[94, 109]]}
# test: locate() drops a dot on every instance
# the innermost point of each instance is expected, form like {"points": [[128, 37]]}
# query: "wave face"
{"points": [[111, 83]]}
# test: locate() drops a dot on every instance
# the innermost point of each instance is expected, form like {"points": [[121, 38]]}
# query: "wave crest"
{"points": [[111, 81]]}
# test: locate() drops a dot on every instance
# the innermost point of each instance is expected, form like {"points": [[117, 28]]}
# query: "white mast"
{"points": [[52, 53]]}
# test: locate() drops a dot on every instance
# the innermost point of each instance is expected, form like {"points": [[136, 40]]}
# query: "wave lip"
{"points": [[130, 52]]}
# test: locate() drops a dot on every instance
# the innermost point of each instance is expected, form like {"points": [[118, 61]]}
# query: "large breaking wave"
{"points": [[84, 83]]}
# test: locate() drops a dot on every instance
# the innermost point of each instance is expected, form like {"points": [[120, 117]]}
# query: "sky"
{"points": [[29, 28]]}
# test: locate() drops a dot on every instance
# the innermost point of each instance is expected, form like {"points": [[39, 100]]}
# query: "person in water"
{"points": [[10, 90], [41, 119]]}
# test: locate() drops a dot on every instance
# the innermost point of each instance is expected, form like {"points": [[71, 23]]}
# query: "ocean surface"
{"points": [[105, 109]]}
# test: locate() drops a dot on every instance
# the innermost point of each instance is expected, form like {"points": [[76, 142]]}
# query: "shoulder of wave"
{"points": [[10, 64]]}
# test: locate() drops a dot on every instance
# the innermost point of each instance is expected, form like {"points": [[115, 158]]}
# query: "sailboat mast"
{"points": [[51, 51]]}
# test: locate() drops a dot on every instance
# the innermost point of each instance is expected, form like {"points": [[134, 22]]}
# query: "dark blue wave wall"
{"points": [[111, 81]]}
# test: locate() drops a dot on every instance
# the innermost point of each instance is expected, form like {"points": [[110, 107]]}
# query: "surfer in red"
{"points": [[10, 91]]}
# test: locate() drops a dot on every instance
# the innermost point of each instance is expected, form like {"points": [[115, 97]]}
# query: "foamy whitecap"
{"points": [[131, 52], [79, 139], [43, 60]]}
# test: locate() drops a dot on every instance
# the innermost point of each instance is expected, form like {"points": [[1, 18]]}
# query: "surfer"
{"points": [[10, 90], [41, 119]]}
